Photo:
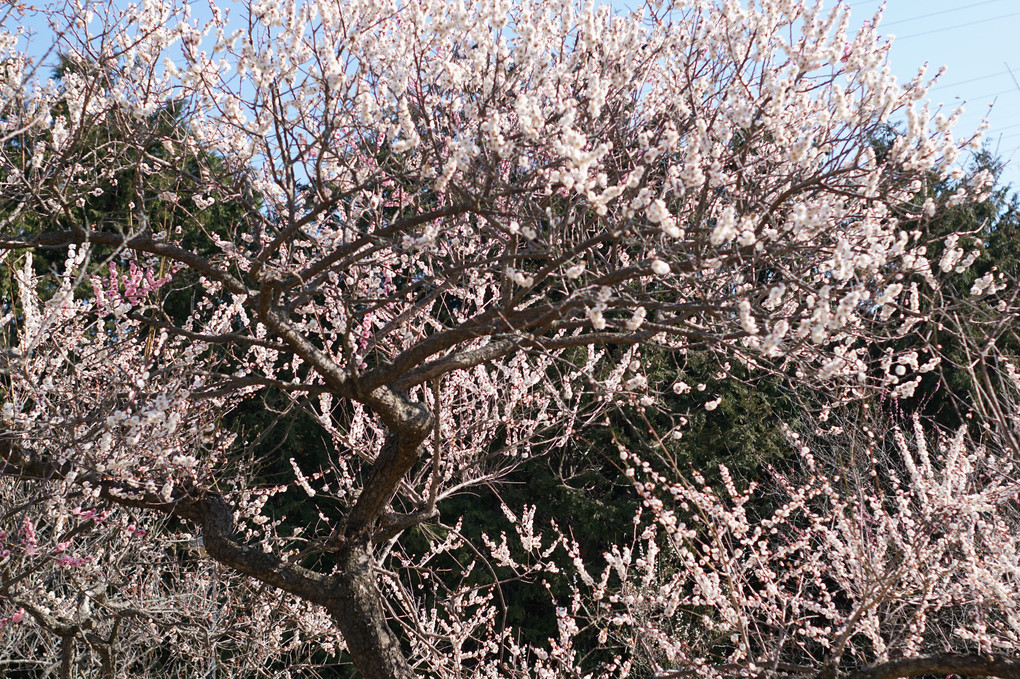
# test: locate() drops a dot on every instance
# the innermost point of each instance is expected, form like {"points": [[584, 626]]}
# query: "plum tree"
{"points": [[454, 228]]}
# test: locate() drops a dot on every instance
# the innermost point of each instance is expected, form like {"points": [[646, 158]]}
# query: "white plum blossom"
{"points": [[725, 228], [575, 271], [637, 319], [520, 278]]}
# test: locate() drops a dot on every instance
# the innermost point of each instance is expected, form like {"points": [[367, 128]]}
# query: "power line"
{"points": [[969, 80], [992, 134], [989, 95], [932, 14], [955, 26]]}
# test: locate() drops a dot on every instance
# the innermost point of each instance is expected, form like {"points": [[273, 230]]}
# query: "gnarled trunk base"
{"points": [[356, 605]]}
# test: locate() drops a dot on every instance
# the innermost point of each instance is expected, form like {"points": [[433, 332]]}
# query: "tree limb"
{"points": [[976, 665]]}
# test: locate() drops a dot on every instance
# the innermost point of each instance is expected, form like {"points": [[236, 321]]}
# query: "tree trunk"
{"points": [[357, 606], [67, 649]]}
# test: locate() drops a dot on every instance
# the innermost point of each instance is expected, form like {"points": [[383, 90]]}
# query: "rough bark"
{"points": [[67, 657], [357, 607], [976, 665]]}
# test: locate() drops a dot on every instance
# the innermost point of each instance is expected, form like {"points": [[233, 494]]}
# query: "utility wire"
{"points": [[955, 26], [1002, 137], [987, 96], [933, 14], [969, 80]]}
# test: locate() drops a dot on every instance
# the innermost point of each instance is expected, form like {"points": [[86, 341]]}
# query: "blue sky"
{"points": [[979, 42]]}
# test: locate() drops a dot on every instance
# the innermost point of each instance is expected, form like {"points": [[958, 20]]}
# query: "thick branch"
{"points": [[140, 243], [209, 510], [217, 521], [221, 338], [462, 360], [398, 455], [397, 227], [335, 377], [409, 423], [990, 665]]}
